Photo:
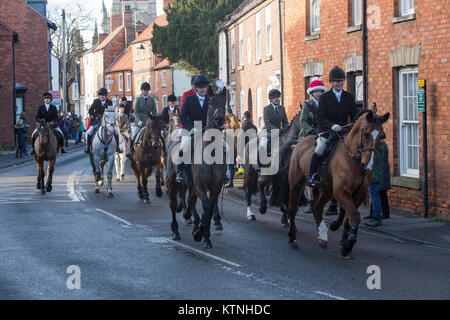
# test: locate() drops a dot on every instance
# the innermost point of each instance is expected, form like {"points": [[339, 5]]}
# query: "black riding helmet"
{"points": [[337, 74], [201, 81], [172, 98], [47, 95], [145, 86], [274, 93], [102, 92], [193, 79]]}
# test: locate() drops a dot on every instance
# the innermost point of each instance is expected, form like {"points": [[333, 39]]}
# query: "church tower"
{"points": [[143, 11], [106, 20]]}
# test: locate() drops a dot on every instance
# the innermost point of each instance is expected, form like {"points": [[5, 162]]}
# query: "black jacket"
{"points": [[192, 111], [48, 116], [165, 115], [330, 111], [97, 109]]}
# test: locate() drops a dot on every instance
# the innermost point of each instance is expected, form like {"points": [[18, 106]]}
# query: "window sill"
{"points": [[313, 36], [240, 68], [407, 182], [268, 58], [258, 61], [232, 70], [408, 17], [353, 28]]}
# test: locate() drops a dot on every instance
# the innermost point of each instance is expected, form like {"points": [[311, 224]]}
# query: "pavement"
{"points": [[8, 158], [402, 224]]}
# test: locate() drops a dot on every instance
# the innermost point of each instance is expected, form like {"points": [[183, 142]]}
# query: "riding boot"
{"points": [[88, 143], [312, 178], [118, 150], [33, 139], [129, 154], [180, 178]]}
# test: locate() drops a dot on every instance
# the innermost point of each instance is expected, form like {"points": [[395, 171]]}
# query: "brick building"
{"points": [[407, 41], [252, 50], [120, 73], [31, 64]]}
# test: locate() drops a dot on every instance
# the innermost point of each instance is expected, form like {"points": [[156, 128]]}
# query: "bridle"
{"points": [[103, 137]]}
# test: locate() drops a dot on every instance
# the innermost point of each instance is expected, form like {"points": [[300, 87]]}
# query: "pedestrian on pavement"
{"points": [[80, 132], [26, 128], [64, 125], [20, 131], [75, 127], [377, 179]]}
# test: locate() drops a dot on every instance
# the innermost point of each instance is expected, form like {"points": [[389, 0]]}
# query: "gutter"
{"points": [[281, 52]]}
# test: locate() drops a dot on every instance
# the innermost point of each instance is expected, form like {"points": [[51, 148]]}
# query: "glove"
{"points": [[336, 128], [140, 123], [193, 131]]}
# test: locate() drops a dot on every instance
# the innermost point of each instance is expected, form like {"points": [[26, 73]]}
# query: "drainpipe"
{"points": [[227, 66], [173, 80], [281, 52], [15, 38], [364, 54]]}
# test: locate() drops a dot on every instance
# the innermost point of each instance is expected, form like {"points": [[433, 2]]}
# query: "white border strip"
{"points": [[114, 217], [329, 295]]}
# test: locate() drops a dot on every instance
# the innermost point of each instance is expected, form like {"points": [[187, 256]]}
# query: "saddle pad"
{"points": [[330, 149], [139, 136]]}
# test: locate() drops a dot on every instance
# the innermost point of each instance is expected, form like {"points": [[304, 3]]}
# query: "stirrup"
{"points": [[313, 181]]}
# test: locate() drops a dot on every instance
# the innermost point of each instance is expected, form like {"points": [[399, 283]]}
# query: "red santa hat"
{"points": [[316, 84]]}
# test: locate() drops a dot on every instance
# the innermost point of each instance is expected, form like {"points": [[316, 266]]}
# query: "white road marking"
{"points": [[114, 217], [329, 295], [71, 188]]}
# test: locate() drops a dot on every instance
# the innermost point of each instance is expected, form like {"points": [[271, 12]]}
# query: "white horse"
{"points": [[103, 150], [120, 158]]}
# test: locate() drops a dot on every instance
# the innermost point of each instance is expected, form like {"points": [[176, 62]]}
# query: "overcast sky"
{"points": [[92, 6]]}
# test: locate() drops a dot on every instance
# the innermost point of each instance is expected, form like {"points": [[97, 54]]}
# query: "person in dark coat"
{"points": [[337, 108], [194, 108], [377, 178], [170, 110], [49, 113], [95, 113], [127, 106]]}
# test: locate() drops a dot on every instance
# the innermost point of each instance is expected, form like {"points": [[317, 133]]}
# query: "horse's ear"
{"points": [[385, 117], [370, 117]]}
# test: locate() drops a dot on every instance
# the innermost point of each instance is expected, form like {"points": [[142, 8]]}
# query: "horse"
{"points": [[254, 182], [120, 158], [46, 149], [202, 178], [102, 151], [348, 173], [147, 156]]}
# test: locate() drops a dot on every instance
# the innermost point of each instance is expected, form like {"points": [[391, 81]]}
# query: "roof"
{"points": [[241, 10], [165, 64], [124, 61], [147, 34], [109, 38]]}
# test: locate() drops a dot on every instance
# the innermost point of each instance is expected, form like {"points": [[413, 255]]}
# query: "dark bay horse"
{"points": [[350, 173], [255, 182], [46, 149], [147, 156]]}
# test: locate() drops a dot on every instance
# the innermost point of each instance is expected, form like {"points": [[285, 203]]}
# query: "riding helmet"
{"points": [[47, 95], [172, 98], [145, 86], [103, 92], [201, 81], [274, 93], [337, 74]]}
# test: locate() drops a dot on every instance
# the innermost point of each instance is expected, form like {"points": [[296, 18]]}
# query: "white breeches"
{"points": [[92, 128], [321, 145], [57, 129]]}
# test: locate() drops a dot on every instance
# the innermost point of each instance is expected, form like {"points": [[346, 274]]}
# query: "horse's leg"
{"points": [[144, 185], [294, 196], [117, 166], [217, 218], [42, 176], [200, 231], [110, 174], [263, 201], [50, 169], [123, 160], [351, 222], [250, 178], [172, 189], [321, 225], [38, 165], [158, 190]]}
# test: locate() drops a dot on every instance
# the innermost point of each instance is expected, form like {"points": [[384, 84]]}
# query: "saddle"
{"points": [[326, 158], [138, 139]]}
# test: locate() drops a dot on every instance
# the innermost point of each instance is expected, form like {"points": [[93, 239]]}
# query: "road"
{"points": [[123, 250]]}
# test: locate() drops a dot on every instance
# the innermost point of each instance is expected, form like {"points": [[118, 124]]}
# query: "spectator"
{"points": [[377, 179], [64, 124], [75, 127], [20, 131], [386, 182], [26, 127], [80, 132], [126, 105]]}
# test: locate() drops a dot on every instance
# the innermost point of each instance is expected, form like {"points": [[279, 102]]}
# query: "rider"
{"points": [[122, 122], [190, 92], [169, 111], [145, 105], [308, 116], [95, 112], [337, 108], [194, 108], [49, 113]]}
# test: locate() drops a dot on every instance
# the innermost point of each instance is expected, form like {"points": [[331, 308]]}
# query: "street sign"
{"points": [[421, 96], [56, 95], [109, 81], [56, 102]]}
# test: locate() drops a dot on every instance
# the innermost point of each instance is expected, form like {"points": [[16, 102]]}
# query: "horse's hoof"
{"points": [[48, 188], [219, 227], [263, 209], [188, 221], [97, 190], [141, 196], [334, 226], [207, 244], [349, 256], [179, 207], [43, 192], [251, 218], [162, 183], [285, 225], [118, 179], [323, 244], [38, 186], [122, 176], [176, 236], [343, 251], [110, 195], [293, 244], [100, 183], [198, 234], [159, 193]]}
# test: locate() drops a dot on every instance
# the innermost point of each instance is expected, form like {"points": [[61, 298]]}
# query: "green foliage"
{"points": [[190, 38], [437, 219]]}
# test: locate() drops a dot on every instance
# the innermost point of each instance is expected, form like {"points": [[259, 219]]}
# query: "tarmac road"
{"points": [[123, 249]]}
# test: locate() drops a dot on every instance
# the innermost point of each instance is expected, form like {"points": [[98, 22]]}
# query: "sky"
{"points": [[92, 6]]}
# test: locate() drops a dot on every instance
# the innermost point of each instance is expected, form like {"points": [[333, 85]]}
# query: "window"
{"points": [[164, 79], [108, 83], [156, 80], [233, 53], [136, 48], [269, 87], [241, 45], [356, 87], [260, 108], [258, 36], [128, 81], [149, 51], [356, 12], [268, 34], [138, 84], [149, 80], [315, 15], [164, 101], [409, 123], [406, 7], [249, 50], [120, 82], [242, 102], [232, 104]]}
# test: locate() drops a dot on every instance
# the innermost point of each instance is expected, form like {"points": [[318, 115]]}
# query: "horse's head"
{"points": [[216, 110], [371, 132], [43, 131], [109, 117]]}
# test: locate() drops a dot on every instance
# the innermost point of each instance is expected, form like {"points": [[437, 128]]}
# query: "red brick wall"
{"points": [[427, 30], [161, 91], [31, 54]]}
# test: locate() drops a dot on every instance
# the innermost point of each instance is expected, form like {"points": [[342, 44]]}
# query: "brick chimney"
{"points": [[166, 3], [116, 21], [127, 21], [101, 37], [140, 27]]}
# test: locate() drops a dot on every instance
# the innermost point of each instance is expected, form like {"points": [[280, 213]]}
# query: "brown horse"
{"points": [[147, 156], [46, 149], [349, 175]]}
